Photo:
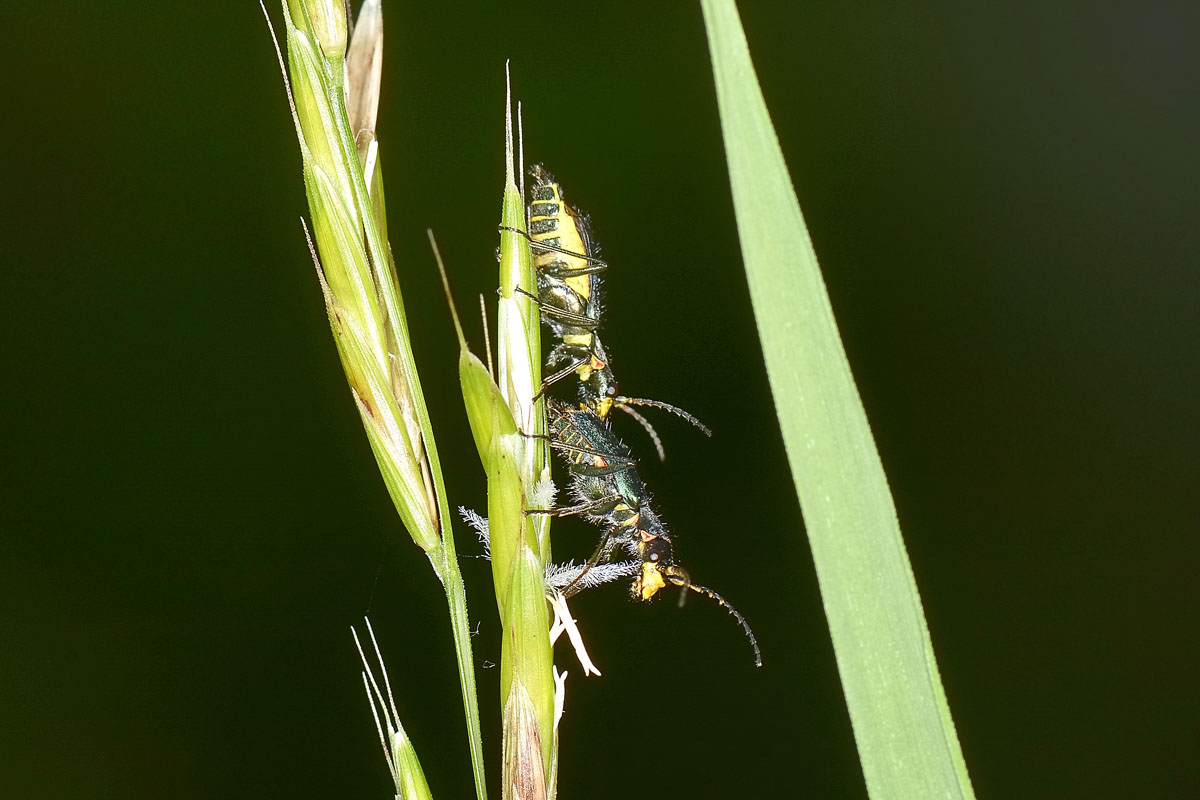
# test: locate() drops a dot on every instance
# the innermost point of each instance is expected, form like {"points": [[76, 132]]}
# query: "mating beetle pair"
{"points": [[605, 485]]}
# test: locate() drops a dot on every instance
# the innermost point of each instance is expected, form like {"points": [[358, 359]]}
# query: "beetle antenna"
{"points": [[645, 423], [680, 578], [642, 401]]}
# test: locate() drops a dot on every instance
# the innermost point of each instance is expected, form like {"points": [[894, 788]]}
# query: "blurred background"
{"points": [[1005, 205]]}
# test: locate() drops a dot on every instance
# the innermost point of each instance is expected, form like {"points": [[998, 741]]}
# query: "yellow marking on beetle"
{"points": [[584, 371], [565, 236], [649, 582], [584, 339]]}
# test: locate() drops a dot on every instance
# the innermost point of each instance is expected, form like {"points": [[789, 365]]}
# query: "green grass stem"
{"points": [[366, 309], [501, 412]]}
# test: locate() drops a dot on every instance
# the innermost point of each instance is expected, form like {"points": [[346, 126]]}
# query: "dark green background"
{"points": [[1005, 204]]}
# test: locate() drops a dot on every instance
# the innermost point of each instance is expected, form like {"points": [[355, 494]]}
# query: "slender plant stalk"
{"points": [[902, 724], [516, 465], [343, 178]]}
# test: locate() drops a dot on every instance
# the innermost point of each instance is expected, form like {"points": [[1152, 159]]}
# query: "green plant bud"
{"points": [[329, 26], [410, 778]]}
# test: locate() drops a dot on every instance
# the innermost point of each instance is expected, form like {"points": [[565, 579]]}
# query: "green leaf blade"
{"points": [[902, 723]]}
